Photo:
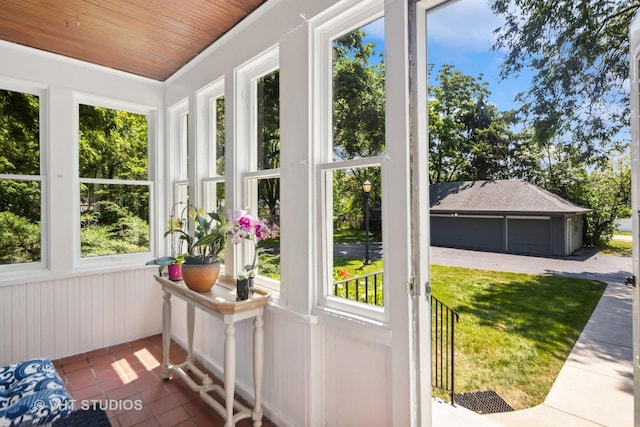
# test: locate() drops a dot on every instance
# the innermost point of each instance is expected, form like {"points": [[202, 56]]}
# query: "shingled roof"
{"points": [[508, 196]]}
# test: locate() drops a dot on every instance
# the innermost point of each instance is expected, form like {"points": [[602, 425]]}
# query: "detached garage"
{"points": [[511, 216]]}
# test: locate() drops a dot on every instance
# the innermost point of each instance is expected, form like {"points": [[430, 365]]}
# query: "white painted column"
{"points": [[63, 194], [299, 151]]}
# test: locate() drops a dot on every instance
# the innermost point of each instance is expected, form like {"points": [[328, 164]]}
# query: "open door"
{"points": [[634, 33], [420, 290]]}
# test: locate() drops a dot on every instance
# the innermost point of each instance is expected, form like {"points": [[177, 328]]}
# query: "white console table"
{"points": [[221, 302]]}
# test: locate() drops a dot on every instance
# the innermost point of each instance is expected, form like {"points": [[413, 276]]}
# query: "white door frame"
{"points": [[634, 32]]}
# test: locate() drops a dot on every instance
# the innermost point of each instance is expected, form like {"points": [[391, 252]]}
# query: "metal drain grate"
{"points": [[483, 402]]}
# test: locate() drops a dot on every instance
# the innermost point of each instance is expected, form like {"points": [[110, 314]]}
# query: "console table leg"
{"points": [[229, 371], [191, 313], [166, 333], [258, 358]]}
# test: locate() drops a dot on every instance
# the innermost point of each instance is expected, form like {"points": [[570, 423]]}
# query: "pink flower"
{"points": [[248, 227], [245, 222]]}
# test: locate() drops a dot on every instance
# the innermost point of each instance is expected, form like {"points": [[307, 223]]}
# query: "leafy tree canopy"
{"points": [[578, 51], [358, 98], [470, 139]]}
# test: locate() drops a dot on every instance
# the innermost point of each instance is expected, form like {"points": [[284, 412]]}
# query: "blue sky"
{"points": [[461, 34]]}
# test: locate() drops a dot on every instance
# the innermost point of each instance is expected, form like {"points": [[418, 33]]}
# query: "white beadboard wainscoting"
{"points": [[286, 362], [74, 315], [316, 371], [352, 387]]}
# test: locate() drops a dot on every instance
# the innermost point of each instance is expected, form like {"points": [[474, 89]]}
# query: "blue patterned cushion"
{"points": [[32, 393]]}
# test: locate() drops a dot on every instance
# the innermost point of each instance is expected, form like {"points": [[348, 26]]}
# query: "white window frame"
{"points": [[177, 166], [178, 149], [246, 158], [325, 295], [42, 178], [151, 114], [207, 136], [330, 27]]}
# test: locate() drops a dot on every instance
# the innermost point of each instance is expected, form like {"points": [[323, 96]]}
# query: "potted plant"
{"points": [[173, 263], [247, 227], [205, 241]]}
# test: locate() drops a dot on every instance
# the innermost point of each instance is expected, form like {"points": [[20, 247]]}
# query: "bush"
{"points": [[20, 239]]}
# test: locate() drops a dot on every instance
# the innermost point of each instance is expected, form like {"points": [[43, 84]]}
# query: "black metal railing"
{"points": [[443, 320], [366, 288]]}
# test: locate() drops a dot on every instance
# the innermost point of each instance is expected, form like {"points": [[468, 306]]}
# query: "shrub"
{"points": [[20, 239]]}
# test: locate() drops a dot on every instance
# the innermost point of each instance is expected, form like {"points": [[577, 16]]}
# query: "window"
{"points": [[263, 187], [212, 134], [21, 179], [115, 190], [179, 154], [260, 193], [352, 170], [211, 148]]}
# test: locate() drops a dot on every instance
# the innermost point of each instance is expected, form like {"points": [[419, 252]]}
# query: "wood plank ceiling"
{"points": [[150, 38]]}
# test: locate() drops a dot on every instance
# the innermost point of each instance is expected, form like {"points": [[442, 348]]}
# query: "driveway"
{"points": [[587, 263]]}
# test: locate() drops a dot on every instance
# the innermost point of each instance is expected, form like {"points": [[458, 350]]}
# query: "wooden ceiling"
{"points": [[150, 38]]}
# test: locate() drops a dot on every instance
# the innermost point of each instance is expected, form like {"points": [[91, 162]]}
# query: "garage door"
{"points": [[480, 233], [529, 236]]}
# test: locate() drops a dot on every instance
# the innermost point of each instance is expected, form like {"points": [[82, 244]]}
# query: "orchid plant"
{"points": [[244, 226], [204, 241]]}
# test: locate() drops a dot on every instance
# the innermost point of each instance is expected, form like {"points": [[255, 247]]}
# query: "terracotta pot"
{"points": [[200, 277]]}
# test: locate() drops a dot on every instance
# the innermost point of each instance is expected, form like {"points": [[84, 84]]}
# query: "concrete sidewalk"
{"points": [[595, 385]]}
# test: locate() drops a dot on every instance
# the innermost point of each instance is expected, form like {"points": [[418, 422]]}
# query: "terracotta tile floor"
{"points": [[127, 380]]}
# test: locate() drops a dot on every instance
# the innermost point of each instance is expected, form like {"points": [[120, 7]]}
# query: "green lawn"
{"points": [[616, 247], [515, 330]]}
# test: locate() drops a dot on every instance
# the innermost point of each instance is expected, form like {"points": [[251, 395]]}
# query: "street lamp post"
{"points": [[366, 187]]}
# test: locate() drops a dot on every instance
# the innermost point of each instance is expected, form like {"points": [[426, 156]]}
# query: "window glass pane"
{"points": [[219, 160], [357, 267], [20, 199], [114, 219], [213, 196], [358, 93], [113, 144], [19, 133], [265, 194], [19, 221], [268, 126]]}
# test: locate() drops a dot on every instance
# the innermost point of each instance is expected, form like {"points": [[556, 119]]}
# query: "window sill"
{"points": [[353, 324], [29, 274]]}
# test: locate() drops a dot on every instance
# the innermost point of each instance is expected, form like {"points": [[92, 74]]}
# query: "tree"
{"points": [[20, 153], [113, 145], [578, 51], [268, 88], [470, 139], [607, 190], [358, 98], [358, 122]]}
